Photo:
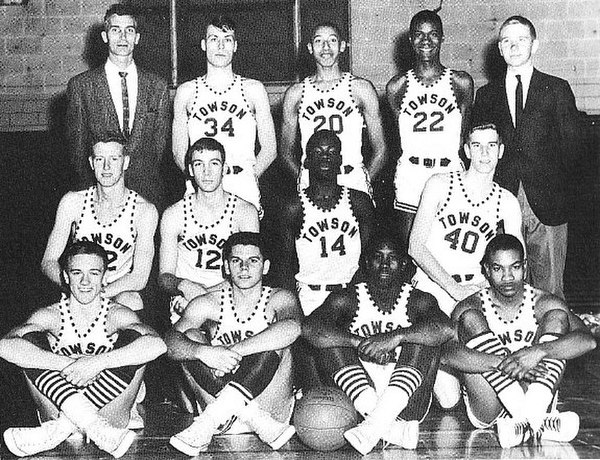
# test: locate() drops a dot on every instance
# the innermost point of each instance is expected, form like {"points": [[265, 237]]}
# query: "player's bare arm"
{"points": [[368, 102], [145, 227], [365, 215], [24, 354], [142, 350], [181, 347], [395, 91], [259, 100], [180, 141], [281, 333], [291, 224], [327, 326], [289, 129], [246, 217], [433, 194], [66, 215], [463, 86]]}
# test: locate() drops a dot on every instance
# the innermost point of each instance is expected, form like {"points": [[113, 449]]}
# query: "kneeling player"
{"points": [[514, 340], [83, 357], [386, 332], [241, 357]]}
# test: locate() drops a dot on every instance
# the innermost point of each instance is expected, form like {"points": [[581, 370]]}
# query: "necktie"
{"points": [[518, 102], [125, 95]]}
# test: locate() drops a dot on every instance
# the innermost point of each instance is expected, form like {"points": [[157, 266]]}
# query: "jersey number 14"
{"points": [[337, 246]]}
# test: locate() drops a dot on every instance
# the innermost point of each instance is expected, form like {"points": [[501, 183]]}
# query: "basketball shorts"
{"points": [[411, 175], [311, 298], [242, 182], [354, 177]]}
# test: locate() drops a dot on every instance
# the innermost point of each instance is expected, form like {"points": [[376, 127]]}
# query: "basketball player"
{"points": [[83, 358], [382, 331], [328, 224], [514, 341], [432, 104], [115, 217], [337, 101], [230, 108], [194, 230], [241, 359]]}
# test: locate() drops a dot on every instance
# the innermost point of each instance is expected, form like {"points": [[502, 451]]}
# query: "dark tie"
{"points": [[125, 95], [518, 102]]}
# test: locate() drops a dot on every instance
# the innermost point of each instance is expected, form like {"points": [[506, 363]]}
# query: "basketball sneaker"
{"points": [[403, 433], [560, 427], [512, 432], [365, 436], [136, 422], [30, 441], [270, 431], [115, 441], [195, 438]]}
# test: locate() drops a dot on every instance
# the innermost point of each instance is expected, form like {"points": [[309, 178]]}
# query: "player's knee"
{"points": [[131, 299], [446, 390], [555, 322], [471, 323]]}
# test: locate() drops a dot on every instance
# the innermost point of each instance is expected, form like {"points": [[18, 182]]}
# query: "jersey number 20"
{"points": [[336, 123], [338, 246]]}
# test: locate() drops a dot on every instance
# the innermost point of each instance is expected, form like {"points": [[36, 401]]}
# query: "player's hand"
{"points": [[379, 348], [536, 373], [221, 359], [520, 363], [190, 290], [83, 371]]}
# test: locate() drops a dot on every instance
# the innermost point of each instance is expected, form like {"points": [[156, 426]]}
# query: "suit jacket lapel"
{"points": [[503, 99], [142, 103], [534, 92], [105, 98]]}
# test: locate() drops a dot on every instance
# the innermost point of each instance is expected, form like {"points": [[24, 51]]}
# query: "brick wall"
{"points": [[42, 46]]}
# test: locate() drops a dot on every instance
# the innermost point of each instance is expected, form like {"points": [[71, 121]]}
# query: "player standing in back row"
{"points": [[336, 101], [230, 108], [432, 104]]}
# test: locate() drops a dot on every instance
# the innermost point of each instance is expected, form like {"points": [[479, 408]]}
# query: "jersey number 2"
{"points": [[435, 119], [212, 124], [212, 262], [337, 246]]}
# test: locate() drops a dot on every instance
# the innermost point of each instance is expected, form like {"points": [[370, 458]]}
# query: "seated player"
{"points": [[83, 358], [514, 341], [194, 230], [234, 345], [110, 214], [386, 332], [458, 214]]}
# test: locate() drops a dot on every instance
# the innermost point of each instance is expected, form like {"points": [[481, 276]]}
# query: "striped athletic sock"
{"points": [[353, 381], [105, 388], [55, 387], [509, 391]]}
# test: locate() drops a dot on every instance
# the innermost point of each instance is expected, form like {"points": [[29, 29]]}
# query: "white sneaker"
{"points": [[194, 439], [270, 431], [32, 440], [560, 427], [136, 422], [403, 433], [512, 432], [115, 441], [364, 437]]}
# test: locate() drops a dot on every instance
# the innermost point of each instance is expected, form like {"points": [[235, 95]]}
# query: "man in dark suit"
{"points": [[539, 122], [120, 96]]}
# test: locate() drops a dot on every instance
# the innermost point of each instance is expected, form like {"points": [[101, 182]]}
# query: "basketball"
{"points": [[322, 416]]}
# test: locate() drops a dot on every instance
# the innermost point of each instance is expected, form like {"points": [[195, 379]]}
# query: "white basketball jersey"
{"points": [[518, 332], [430, 120], [116, 237], [71, 341], [200, 246], [462, 229], [227, 117], [369, 319], [231, 328], [336, 110], [328, 246]]}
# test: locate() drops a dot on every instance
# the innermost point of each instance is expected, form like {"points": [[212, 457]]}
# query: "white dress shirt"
{"points": [[114, 84], [511, 86]]}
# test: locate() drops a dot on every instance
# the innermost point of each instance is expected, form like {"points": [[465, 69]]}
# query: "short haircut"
{"points": [[105, 138], [82, 247], [425, 16], [222, 22], [120, 9], [321, 135], [330, 24], [244, 239], [383, 238], [519, 20], [482, 127], [502, 242], [201, 145]]}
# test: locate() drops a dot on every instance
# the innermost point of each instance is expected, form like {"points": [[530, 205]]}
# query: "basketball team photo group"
{"points": [[401, 268]]}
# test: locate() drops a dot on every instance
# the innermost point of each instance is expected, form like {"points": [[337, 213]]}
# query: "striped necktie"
{"points": [[125, 95]]}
